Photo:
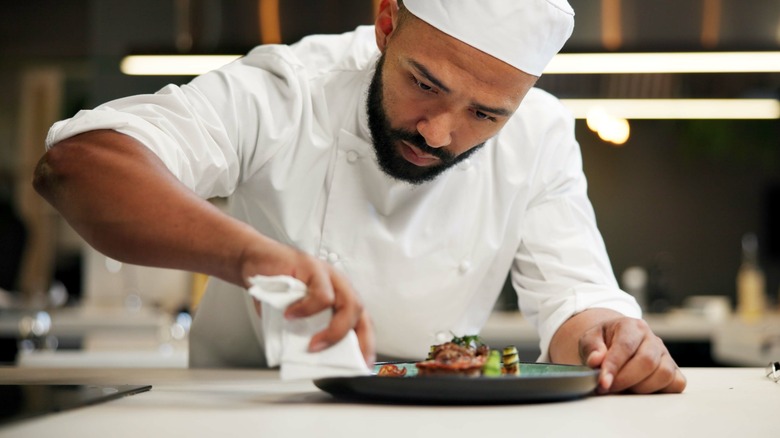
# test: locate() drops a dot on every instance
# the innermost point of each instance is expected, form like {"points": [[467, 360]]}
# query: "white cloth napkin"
{"points": [[287, 341]]}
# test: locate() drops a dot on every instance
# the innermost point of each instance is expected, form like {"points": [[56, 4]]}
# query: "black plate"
{"points": [[538, 382]]}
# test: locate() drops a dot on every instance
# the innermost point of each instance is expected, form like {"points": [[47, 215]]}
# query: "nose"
{"points": [[436, 129]]}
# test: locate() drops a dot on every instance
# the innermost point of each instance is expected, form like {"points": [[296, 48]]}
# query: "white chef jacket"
{"points": [[282, 133]]}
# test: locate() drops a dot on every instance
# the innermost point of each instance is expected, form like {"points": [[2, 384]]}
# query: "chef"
{"points": [[400, 171]]}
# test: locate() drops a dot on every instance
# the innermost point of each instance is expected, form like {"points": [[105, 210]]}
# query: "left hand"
{"points": [[631, 357]]}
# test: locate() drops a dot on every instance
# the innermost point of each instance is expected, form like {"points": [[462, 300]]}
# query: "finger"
{"points": [[678, 383], [320, 295], [365, 333], [623, 338], [347, 310], [592, 347], [648, 367], [667, 377]]}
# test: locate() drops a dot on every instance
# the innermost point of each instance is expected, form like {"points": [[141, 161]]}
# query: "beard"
{"points": [[385, 139]]}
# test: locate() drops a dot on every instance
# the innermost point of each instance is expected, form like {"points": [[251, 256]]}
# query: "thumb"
{"points": [[593, 347], [593, 351]]}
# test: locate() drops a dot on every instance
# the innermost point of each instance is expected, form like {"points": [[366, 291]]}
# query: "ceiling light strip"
{"points": [[677, 108], [564, 63], [173, 65], [673, 62]]}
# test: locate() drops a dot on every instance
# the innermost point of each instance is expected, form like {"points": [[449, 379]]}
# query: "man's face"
{"points": [[386, 140], [433, 101]]}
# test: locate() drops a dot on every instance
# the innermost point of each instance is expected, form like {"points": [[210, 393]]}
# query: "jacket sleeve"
{"points": [[561, 266], [216, 130]]}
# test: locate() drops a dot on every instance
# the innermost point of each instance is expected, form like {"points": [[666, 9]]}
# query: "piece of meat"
{"points": [[453, 359], [391, 370]]}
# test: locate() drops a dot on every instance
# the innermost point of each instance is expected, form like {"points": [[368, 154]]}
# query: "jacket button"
{"points": [[333, 257], [352, 156], [465, 164], [464, 266], [443, 337]]}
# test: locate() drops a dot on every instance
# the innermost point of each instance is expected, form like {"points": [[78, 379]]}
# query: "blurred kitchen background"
{"points": [[680, 195]]}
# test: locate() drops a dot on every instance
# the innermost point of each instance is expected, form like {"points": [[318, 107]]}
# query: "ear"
{"points": [[386, 21]]}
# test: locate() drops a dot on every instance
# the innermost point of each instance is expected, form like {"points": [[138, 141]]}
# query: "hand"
{"points": [[632, 358], [326, 289]]}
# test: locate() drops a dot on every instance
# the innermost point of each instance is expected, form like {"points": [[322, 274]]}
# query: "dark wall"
{"points": [[662, 200], [677, 25], [34, 33], [120, 27]]}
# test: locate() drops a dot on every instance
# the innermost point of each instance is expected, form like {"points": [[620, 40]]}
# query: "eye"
{"points": [[424, 86], [420, 84], [482, 116]]}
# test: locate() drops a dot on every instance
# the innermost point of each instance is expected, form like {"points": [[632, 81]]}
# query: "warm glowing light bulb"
{"points": [[616, 131], [595, 118], [608, 127]]}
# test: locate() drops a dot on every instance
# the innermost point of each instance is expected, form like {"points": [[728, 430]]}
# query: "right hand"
{"points": [[327, 288]]}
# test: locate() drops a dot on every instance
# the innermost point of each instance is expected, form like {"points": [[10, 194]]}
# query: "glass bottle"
{"points": [[751, 294]]}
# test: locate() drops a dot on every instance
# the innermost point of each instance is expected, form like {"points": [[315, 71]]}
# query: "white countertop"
{"points": [[719, 402]]}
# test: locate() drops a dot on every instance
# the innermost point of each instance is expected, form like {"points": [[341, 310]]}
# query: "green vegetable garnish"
{"points": [[511, 360], [492, 367], [469, 341]]}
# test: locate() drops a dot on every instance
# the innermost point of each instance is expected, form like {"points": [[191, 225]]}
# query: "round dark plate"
{"points": [[538, 382]]}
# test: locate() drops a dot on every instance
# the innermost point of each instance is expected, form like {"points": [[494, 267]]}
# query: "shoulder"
{"points": [[288, 74], [540, 120], [541, 106], [539, 135], [317, 54], [351, 50]]}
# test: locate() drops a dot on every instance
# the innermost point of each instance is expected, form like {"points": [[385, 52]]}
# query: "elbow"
{"points": [[51, 171], [44, 176]]}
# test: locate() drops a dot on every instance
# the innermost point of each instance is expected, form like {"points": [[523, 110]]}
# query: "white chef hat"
{"points": [[525, 34]]}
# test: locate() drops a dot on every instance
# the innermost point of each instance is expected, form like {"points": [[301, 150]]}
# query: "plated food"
{"points": [[391, 369], [465, 371], [462, 356]]}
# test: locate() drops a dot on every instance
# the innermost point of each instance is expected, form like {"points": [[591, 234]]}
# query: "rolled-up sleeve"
{"points": [[214, 131]]}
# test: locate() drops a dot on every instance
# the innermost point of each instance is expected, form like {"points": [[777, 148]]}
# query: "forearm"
{"points": [[564, 346], [123, 200]]}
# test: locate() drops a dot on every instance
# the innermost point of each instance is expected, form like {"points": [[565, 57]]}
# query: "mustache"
{"points": [[419, 142]]}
